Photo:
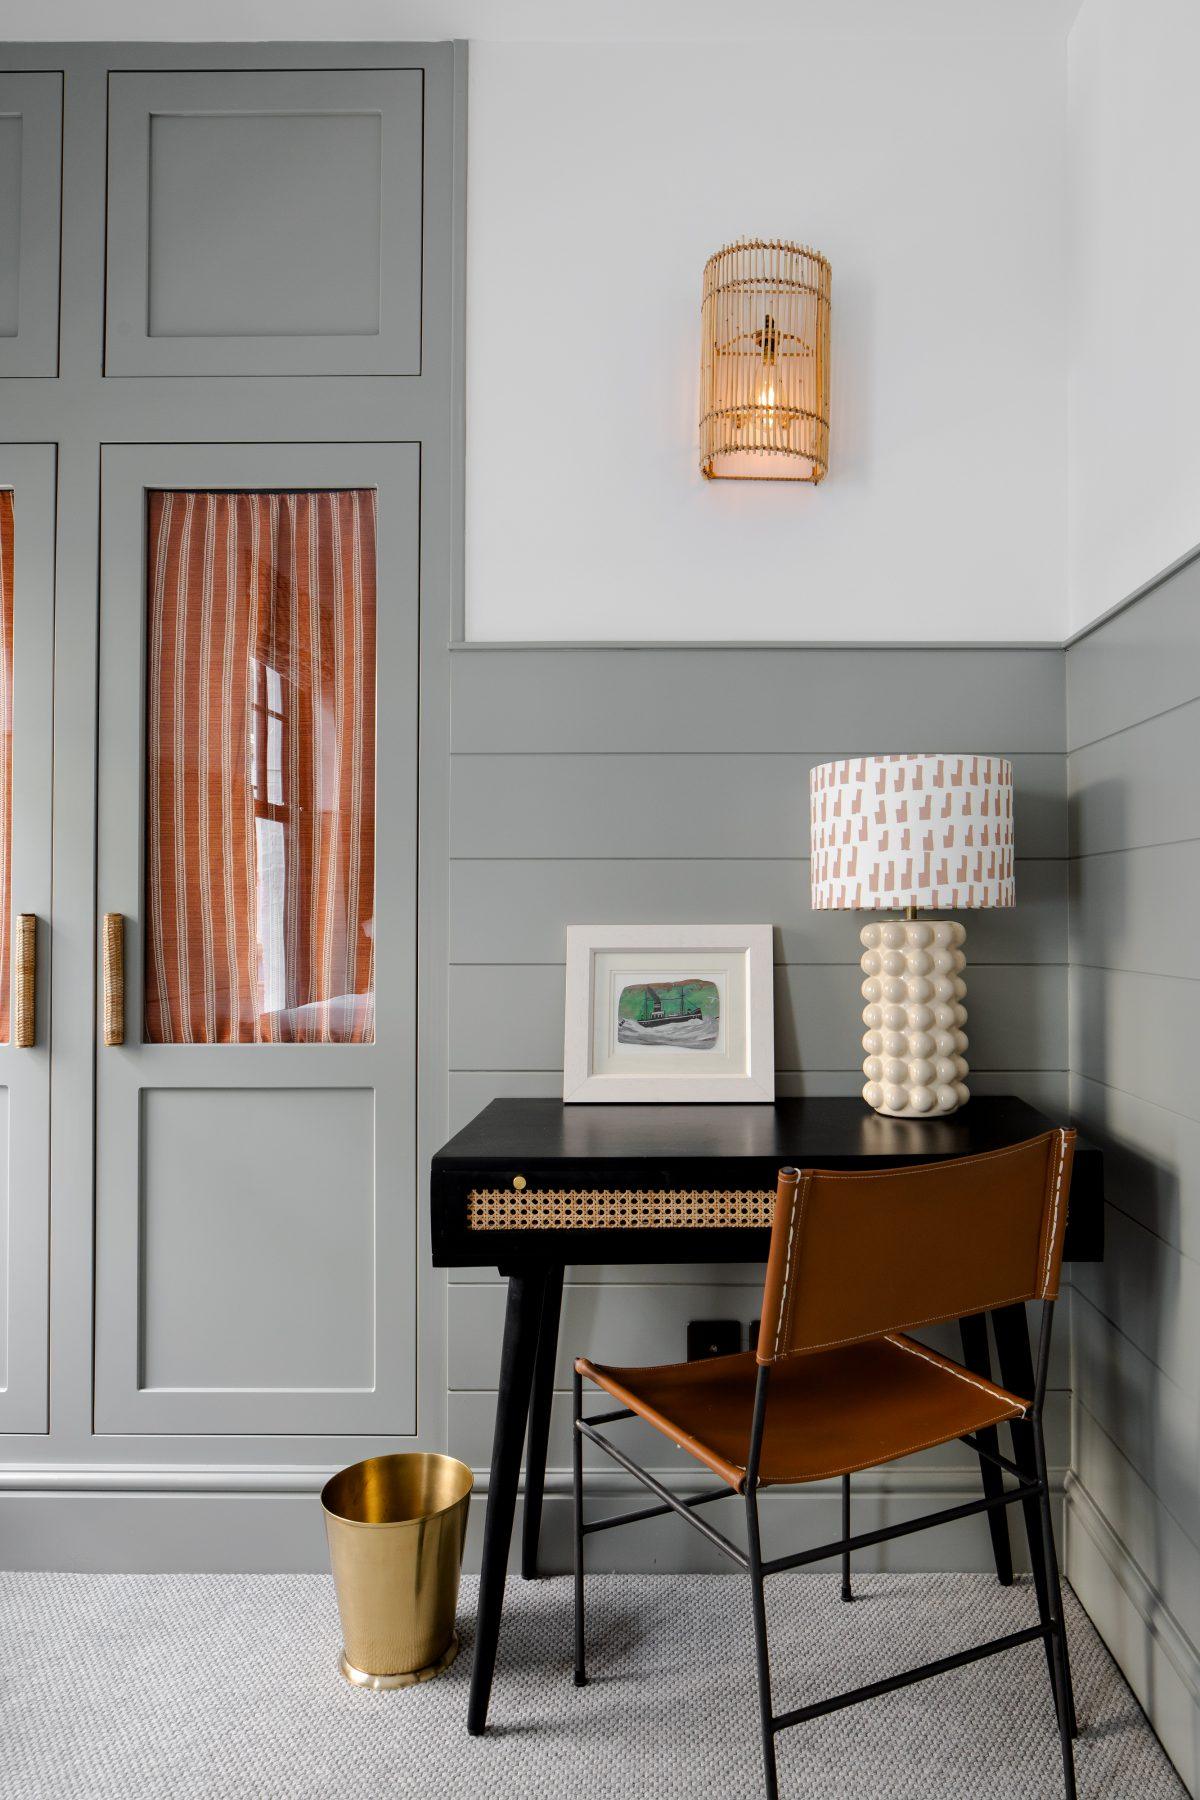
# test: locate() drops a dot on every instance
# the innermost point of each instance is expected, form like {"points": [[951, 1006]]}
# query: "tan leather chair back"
{"points": [[858, 1254]]}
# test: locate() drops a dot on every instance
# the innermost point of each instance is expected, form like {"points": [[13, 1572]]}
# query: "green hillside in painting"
{"points": [[675, 997]]}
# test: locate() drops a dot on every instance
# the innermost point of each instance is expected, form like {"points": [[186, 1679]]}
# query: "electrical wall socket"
{"points": [[713, 1337]]}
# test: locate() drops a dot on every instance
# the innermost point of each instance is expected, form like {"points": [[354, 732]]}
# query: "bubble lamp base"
{"points": [[915, 1042]]}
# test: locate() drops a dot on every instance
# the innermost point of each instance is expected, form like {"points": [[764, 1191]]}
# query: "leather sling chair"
{"points": [[835, 1385]]}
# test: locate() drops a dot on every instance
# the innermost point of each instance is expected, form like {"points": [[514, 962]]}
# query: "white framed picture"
{"points": [[669, 1013]]}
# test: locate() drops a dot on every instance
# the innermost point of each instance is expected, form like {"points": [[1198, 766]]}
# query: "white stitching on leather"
{"points": [[1062, 1158], [787, 1259], [950, 1368]]}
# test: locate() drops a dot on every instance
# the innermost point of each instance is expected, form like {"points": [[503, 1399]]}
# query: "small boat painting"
{"points": [[670, 1015]]}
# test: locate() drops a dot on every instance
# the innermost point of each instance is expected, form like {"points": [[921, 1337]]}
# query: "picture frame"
{"points": [[669, 1013]]}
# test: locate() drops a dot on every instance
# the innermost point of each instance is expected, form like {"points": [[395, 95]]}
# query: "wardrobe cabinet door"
{"points": [[30, 184], [26, 638], [265, 222], [255, 1186]]}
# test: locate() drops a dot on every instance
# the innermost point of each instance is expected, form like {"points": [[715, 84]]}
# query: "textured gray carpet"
{"points": [[173, 1687]]}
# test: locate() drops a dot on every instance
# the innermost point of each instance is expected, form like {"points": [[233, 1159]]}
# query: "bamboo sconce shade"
{"points": [[764, 363]]}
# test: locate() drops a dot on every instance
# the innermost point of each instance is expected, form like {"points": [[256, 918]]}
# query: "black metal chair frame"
{"points": [[1033, 1486]]}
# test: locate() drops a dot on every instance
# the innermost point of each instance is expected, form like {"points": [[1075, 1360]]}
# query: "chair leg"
{"points": [[977, 1357], [847, 1591], [1016, 1372], [758, 1600], [577, 1486], [1054, 1601]]}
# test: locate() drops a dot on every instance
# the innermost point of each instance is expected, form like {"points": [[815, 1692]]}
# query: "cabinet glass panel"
{"points": [[260, 781], [6, 746]]}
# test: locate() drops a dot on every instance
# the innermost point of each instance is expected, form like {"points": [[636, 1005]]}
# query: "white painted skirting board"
{"points": [[1155, 1654], [256, 1518]]}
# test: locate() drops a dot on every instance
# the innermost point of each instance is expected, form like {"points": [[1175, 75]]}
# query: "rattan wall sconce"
{"points": [[764, 363]]}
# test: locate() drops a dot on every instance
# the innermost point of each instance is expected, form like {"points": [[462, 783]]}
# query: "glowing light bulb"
{"points": [[768, 342]]}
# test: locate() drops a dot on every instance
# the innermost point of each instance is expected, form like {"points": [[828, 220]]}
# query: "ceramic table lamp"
{"points": [[906, 835]]}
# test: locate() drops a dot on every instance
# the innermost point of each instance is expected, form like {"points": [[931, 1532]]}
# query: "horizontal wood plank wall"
{"points": [[1133, 713], [642, 785]]}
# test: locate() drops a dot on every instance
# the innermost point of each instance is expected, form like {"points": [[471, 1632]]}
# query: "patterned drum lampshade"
{"points": [[910, 834]]}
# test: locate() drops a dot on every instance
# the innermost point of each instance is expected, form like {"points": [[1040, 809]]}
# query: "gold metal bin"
{"points": [[396, 1527]]}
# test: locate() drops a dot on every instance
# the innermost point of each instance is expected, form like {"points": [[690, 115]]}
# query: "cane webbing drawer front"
{"points": [[619, 1209], [533, 1181]]}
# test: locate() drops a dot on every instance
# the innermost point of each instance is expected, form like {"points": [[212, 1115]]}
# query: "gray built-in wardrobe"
{"points": [[230, 498]]}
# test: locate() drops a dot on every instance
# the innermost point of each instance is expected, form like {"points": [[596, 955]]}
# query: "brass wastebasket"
{"points": [[396, 1527]]}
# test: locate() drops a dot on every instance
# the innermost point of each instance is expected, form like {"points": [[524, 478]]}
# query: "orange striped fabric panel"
{"points": [[6, 722], [260, 793]]}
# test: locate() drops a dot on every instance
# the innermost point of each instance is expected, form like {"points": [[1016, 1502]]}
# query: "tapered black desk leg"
{"points": [[539, 1422], [1016, 1373], [522, 1322], [978, 1359]]}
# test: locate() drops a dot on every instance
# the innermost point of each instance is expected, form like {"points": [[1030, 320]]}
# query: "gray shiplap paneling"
{"points": [[517, 911], [504, 1016], [1154, 1423], [1135, 1032], [1155, 1540], [838, 701], [672, 805], [1151, 1294], [1140, 663], [1139, 787], [1133, 699], [637, 1325], [1151, 1160], [1136, 910]]}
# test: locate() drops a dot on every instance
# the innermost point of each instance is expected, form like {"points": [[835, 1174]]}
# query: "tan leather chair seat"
{"points": [[830, 1412]]}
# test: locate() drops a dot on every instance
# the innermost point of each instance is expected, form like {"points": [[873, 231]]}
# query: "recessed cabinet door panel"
{"points": [[30, 186], [26, 635], [265, 223], [256, 1179]]}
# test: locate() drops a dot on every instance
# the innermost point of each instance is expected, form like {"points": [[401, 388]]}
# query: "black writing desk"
{"points": [[532, 1185]]}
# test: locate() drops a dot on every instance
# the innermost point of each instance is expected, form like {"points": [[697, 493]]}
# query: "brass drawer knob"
{"points": [[519, 1183]]}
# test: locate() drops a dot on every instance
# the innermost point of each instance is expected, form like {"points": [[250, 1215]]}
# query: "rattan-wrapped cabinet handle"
{"points": [[26, 956], [114, 978]]}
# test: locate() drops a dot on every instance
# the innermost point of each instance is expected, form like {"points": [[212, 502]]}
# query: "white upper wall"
{"points": [[921, 145], [931, 171], [1134, 490], [311, 21]]}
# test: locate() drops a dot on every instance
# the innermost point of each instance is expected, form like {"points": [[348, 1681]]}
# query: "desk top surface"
{"points": [[809, 1131], [533, 1145]]}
